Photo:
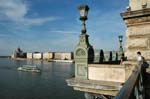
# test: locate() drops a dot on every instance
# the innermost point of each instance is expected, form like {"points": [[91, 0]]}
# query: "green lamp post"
{"points": [[120, 48], [84, 52], [83, 9]]}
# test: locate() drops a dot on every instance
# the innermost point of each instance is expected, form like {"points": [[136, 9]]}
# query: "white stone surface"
{"points": [[106, 73]]}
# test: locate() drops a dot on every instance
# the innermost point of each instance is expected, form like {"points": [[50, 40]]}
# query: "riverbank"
{"points": [[49, 60], [66, 61], [4, 56]]}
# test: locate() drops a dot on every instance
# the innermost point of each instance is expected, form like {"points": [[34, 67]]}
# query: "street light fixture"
{"points": [[120, 40], [120, 48], [83, 9]]}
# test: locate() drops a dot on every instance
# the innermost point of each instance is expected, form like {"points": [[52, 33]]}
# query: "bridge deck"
{"points": [[96, 87]]}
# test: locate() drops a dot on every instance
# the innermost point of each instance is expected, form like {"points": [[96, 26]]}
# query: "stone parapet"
{"points": [[106, 72], [95, 87]]}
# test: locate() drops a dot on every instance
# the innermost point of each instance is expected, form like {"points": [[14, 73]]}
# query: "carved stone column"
{"points": [[138, 29], [83, 55], [84, 52]]}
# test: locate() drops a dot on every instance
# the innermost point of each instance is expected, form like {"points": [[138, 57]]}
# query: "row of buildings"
{"points": [[46, 55], [99, 55], [51, 55]]}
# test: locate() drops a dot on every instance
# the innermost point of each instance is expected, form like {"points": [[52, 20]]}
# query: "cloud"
{"points": [[65, 32], [16, 11], [13, 9], [37, 21]]}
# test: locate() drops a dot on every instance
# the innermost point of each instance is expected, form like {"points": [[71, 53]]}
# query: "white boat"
{"points": [[29, 68]]}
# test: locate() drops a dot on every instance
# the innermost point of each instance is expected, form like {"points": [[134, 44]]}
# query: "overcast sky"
{"points": [[53, 25]]}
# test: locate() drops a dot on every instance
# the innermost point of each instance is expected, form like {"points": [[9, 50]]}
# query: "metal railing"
{"points": [[133, 87]]}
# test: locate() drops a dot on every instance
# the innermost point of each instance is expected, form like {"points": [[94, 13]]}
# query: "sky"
{"points": [[54, 25]]}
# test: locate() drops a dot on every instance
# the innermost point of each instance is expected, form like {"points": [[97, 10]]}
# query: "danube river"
{"points": [[49, 84]]}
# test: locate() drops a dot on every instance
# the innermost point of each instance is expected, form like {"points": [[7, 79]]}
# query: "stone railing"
{"points": [[106, 57], [107, 72], [133, 87]]}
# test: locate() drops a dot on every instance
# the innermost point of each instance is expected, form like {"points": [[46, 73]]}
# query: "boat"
{"points": [[29, 68]]}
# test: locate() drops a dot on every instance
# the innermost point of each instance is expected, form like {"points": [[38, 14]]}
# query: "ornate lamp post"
{"points": [[120, 40], [84, 53], [120, 48], [83, 9]]}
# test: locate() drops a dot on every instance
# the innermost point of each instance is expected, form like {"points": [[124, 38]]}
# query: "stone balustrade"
{"points": [[106, 72]]}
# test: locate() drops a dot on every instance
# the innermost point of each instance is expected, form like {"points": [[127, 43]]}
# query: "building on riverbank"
{"points": [[18, 53], [63, 55], [29, 55], [48, 55], [37, 55], [44, 56]]}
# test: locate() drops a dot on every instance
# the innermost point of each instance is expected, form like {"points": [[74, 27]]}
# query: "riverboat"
{"points": [[29, 68]]}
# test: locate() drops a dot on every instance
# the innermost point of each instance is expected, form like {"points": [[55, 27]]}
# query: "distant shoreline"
{"points": [[4, 56], [49, 60]]}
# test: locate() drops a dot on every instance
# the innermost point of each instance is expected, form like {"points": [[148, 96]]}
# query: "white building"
{"points": [[67, 56], [51, 55], [37, 55], [48, 55], [63, 55], [57, 55], [29, 55]]}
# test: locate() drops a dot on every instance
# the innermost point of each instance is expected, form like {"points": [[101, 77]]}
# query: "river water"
{"points": [[49, 84]]}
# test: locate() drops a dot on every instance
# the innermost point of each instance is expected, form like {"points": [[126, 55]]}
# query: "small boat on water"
{"points": [[29, 68]]}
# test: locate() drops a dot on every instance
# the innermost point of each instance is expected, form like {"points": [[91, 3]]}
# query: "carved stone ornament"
{"points": [[82, 39], [80, 52]]}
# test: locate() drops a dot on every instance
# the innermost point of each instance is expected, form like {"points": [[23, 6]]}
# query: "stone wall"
{"points": [[105, 72], [138, 33]]}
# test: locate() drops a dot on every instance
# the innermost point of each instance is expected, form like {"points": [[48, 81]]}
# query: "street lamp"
{"points": [[120, 48], [120, 40], [83, 9]]}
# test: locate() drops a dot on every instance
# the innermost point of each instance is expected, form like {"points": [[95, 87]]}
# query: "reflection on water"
{"points": [[49, 84]]}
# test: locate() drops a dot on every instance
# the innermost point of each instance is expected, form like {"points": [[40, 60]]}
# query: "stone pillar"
{"points": [[83, 55], [137, 20]]}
